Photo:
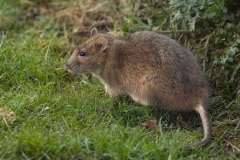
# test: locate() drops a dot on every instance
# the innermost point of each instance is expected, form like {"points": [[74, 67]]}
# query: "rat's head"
{"points": [[89, 56]]}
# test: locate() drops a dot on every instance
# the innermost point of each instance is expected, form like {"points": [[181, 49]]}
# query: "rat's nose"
{"points": [[69, 64], [66, 66]]}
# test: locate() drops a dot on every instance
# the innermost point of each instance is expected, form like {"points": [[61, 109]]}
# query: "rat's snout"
{"points": [[72, 65], [69, 66], [72, 62], [66, 65]]}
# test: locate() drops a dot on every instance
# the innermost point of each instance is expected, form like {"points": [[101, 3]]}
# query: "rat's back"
{"points": [[164, 73]]}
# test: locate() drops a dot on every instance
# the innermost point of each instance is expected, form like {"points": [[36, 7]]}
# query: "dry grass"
{"points": [[76, 18], [7, 116]]}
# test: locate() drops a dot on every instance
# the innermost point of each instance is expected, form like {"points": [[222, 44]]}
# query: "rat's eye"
{"points": [[81, 53]]}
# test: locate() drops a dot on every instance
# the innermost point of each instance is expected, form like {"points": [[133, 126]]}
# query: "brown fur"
{"points": [[150, 68]]}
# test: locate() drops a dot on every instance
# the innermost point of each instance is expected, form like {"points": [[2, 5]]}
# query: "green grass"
{"points": [[61, 116]]}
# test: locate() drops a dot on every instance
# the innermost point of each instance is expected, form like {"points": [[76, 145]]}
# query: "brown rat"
{"points": [[150, 68]]}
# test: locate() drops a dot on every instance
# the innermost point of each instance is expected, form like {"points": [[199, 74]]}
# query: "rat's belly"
{"points": [[139, 99]]}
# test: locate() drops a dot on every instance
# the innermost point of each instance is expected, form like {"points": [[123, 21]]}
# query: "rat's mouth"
{"points": [[73, 69], [69, 68]]}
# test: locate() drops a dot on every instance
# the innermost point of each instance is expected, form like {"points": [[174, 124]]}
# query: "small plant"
{"points": [[7, 116]]}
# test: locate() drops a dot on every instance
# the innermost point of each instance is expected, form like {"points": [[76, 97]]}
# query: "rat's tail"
{"points": [[207, 125]]}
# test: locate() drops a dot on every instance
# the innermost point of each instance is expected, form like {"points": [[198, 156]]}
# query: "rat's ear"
{"points": [[94, 31], [101, 44]]}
